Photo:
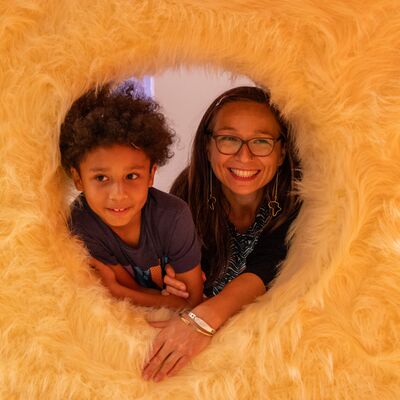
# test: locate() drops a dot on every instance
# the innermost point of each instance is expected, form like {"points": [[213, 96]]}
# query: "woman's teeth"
{"points": [[243, 173]]}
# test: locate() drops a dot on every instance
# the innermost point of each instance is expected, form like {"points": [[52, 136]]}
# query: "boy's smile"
{"points": [[115, 181]]}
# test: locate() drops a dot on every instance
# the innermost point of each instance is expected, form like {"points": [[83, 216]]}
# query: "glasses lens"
{"points": [[261, 146], [228, 144]]}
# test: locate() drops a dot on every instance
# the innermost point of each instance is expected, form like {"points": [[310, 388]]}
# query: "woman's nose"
{"points": [[244, 153]]}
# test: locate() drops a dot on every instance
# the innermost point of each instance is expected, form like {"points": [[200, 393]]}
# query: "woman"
{"points": [[239, 186]]}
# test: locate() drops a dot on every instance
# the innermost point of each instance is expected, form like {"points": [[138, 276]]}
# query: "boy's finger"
{"points": [[177, 292], [169, 271], [174, 283]]}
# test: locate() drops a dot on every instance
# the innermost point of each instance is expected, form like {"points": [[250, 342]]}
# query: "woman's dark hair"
{"points": [[193, 184], [106, 117]]}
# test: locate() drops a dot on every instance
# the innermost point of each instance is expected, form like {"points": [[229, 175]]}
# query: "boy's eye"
{"points": [[132, 176], [100, 178]]}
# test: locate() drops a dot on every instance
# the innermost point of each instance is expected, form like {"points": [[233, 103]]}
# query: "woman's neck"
{"points": [[243, 208]]}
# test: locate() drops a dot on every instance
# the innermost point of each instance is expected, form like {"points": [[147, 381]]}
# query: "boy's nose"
{"points": [[118, 191]]}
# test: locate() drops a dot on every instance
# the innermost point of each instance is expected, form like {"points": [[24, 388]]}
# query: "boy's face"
{"points": [[115, 181]]}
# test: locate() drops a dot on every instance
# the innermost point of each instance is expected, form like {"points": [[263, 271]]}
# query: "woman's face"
{"points": [[243, 174]]}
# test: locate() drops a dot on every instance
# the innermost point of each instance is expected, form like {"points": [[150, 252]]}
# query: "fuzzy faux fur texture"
{"points": [[329, 328]]}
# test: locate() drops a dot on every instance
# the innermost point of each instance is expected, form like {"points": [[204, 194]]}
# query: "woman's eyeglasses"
{"points": [[258, 146]]}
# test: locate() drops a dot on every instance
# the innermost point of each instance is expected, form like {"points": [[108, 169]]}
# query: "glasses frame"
{"points": [[215, 137]]}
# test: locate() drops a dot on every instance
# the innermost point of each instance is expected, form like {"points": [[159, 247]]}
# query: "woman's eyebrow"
{"points": [[258, 132], [267, 133], [226, 128]]}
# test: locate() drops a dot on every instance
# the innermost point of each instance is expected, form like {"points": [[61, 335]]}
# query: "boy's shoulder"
{"points": [[165, 202], [81, 214], [79, 205], [164, 211]]}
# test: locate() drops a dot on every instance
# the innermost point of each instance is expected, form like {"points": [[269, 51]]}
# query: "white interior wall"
{"points": [[184, 96]]}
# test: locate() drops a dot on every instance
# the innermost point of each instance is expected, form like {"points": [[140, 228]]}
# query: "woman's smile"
{"points": [[244, 174]]}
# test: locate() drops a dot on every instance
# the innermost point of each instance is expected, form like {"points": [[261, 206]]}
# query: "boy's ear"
{"points": [[152, 173], [77, 179]]}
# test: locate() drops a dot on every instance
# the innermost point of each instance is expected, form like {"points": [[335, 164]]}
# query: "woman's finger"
{"points": [[174, 339], [179, 365], [168, 365], [156, 362]]}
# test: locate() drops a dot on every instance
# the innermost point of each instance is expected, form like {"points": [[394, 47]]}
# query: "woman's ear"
{"points": [[77, 179], [208, 149], [152, 173], [282, 155]]}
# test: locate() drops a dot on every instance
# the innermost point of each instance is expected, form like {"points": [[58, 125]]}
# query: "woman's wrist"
{"points": [[201, 326], [209, 315]]}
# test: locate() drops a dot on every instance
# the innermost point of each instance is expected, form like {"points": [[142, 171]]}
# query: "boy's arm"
{"points": [[121, 275], [149, 297]]}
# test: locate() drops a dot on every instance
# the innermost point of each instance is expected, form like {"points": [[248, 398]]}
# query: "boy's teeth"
{"points": [[243, 173]]}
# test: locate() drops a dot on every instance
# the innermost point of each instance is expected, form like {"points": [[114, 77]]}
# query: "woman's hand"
{"points": [[175, 345]]}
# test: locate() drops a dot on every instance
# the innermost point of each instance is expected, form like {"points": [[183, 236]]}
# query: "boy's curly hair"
{"points": [[106, 117]]}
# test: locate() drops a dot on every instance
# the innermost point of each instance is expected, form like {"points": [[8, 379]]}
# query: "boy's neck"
{"points": [[130, 234]]}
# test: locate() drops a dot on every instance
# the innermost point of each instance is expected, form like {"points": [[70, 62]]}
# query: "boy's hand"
{"points": [[175, 286]]}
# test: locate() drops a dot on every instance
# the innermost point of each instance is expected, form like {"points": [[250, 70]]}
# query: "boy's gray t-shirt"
{"points": [[167, 230]]}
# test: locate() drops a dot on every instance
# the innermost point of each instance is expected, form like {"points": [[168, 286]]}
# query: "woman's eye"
{"points": [[132, 176], [101, 178], [229, 139], [263, 142]]}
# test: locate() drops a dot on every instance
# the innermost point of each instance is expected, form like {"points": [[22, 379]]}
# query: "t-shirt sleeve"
{"points": [[268, 253], [87, 230], [184, 247]]}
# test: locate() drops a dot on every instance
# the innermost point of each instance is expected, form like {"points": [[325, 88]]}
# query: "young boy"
{"points": [[111, 144]]}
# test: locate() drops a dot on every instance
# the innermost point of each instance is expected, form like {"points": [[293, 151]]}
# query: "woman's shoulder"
{"points": [[280, 231]]}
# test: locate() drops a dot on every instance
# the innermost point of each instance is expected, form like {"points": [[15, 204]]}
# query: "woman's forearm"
{"points": [[239, 292]]}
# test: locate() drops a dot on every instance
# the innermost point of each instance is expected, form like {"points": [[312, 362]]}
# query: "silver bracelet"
{"points": [[200, 323]]}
